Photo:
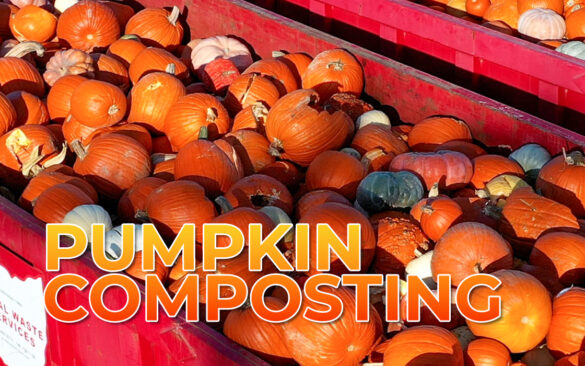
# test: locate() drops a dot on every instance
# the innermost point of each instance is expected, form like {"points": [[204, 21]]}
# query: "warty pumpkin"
{"points": [[526, 311], [567, 328], [97, 104], [109, 69], [277, 71], [151, 99], [563, 180], [336, 171], [68, 62], [156, 59], [487, 167], [343, 342], [299, 130], [30, 109], [334, 71], [259, 190], [59, 97], [157, 27], [485, 251], [55, 202], [19, 74], [487, 352], [8, 116], [88, 25], [562, 254], [126, 49], [431, 132], [375, 136], [33, 23], [112, 163], [436, 215], [249, 89], [252, 148]]}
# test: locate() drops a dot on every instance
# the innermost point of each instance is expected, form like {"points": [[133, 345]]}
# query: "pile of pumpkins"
{"points": [[556, 24], [106, 116]]}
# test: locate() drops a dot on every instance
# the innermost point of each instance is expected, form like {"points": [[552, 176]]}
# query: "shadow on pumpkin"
{"points": [[123, 82], [211, 186], [572, 277], [562, 195]]}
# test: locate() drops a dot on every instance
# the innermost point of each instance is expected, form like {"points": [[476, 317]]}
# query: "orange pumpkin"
{"points": [[567, 328], [252, 148], [576, 24], [342, 342], [151, 99], [30, 109], [316, 198], [191, 112], [8, 116], [505, 11], [259, 190], [157, 27], [436, 215], [577, 359], [89, 26], [55, 202], [468, 149], [109, 69], [431, 132], [526, 311], [561, 179], [96, 104], [125, 49], [135, 270], [164, 169], [19, 74], [298, 63], [122, 12], [59, 97], [423, 345], [487, 167], [487, 352], [134, 199], [477, 209], [334, 71], [277, 71], [469, 248], [176, 203], [477, 7], [156, 59], [161, 144], [241, 217], [132, 130], [253, 117], [336, 171], [376, 136], [33, 23], [74, 130], [249, 89], [285, 172], [556, 5], [299, 131], [561, 254]]}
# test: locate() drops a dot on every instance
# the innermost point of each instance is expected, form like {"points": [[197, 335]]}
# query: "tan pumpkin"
{"points": [[68, 62]]}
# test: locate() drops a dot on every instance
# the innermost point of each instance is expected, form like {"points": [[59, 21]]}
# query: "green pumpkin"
{"points": [[381, 191]]}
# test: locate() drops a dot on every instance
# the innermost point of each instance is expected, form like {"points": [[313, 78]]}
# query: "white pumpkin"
{"points": [[532, 157], [216, 47], [114, 241], [542, 24], [351, 152], [23, 3], [278, 216], [86, 215], [421, 267], [62, 5], [573, 48], [373, 116]]}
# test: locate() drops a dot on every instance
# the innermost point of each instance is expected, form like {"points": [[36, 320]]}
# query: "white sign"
{"points": [[23, 323]]}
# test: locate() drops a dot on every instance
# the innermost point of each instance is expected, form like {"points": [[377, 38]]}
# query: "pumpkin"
{"points": [[253, 117], [501, 186], [399, 241], [278, 216], [259, 190], [161, 144], [563, 255], [526, 311], [377, 160], [485, 252], [206, 163], [164, 169], [122, 12], [285, 172], [317, 198], [372, 117], [575, 22], [299, 131], [176, 203], [47, 179], [431, 132], [265, 339], [487, 352], [555, 5], [567, 328], [30, 109], [185, 118], [33, 23], [130, 159], [436, 215], [109, 69], [577, 359], [337, 216], [487, 167], [381, 191], [88, 25], [477, 209], [297, 62], [561, 179], [531, 158], [74, 130], [477, 7], [376, 136], [249, 89], [423, 345], [527, 215], [421, 268], [55, 202], [136, 271], [126, 49], [216, 47], [133, 201], [6, 11], [252, 148], [334, 71], [349, 103], [573, 48], [342, 342], [451, 170], [506, 12], [277, 71], [68, 62], [336, 171], [468, 149], [547, 278], [85, 216], [218, 75], [8, 116], [156, 59], [18, 74], [241, 217], [59, 97], [157, 27], [97, 104], [132, 130], [542, 24], [151, 99]]}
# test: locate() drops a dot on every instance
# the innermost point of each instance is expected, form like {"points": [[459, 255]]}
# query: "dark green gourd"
{"points": [[381, 191]]}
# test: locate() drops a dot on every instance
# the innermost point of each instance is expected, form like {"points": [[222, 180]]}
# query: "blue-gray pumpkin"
{"points": [[531, 158], [381, 191]]}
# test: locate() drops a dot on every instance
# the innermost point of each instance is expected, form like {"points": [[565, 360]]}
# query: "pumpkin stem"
{"points": [[418, 252], [7, 193], [276, 54], [113, 110], [171, 69], [351, 152], [574, 158], [130, 36], [224, 204], [211, 115], [276, 148], [477, 268], [24, 48], [141, 216], [434, 191], [79, 149], [373, 364], [427, 209], [492, 211], [203, 133], [259, 111], [174, 15], [36, 169], [160, 158], [336, 65], [482, 193]]}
